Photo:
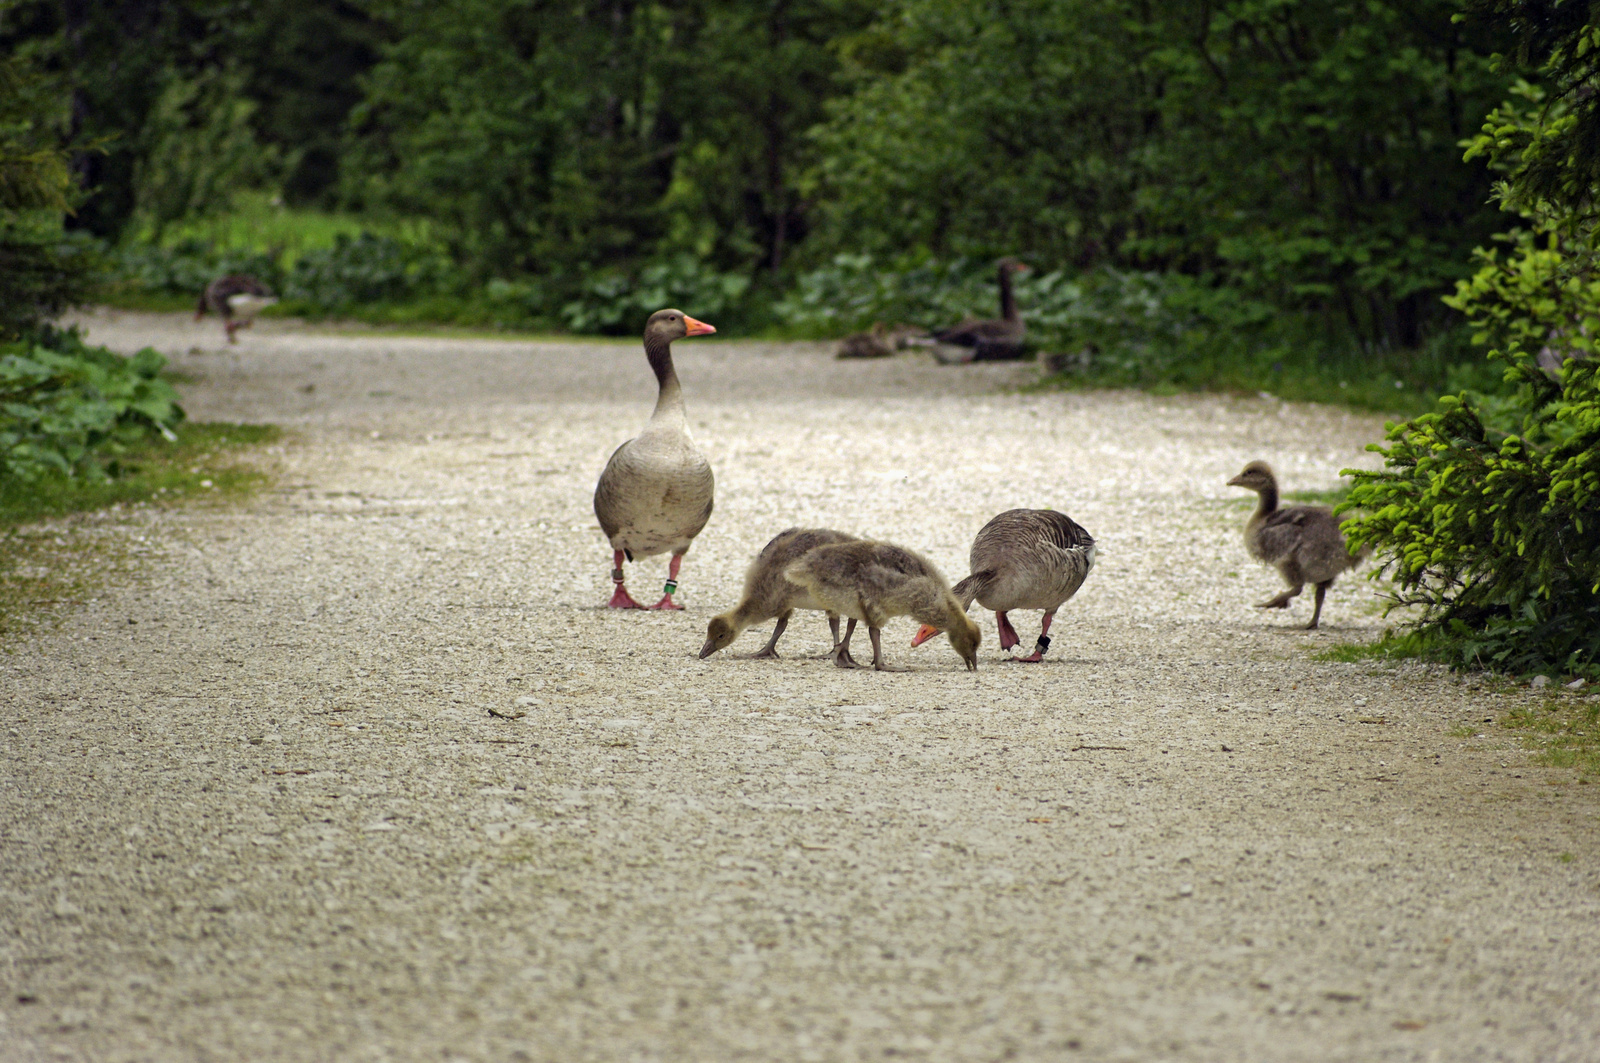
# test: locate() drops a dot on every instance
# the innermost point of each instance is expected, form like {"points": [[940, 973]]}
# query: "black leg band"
{"points": [[1043, 645], [616, 575]]}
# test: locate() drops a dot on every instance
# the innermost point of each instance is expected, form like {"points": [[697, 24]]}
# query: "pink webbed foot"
{"points": [[666, 602], [1035, 658], [1008, 634], [621, 599]]}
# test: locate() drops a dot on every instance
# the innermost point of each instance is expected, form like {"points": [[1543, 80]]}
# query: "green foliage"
{"points": [[1303, 152], [616, 303], [201, 152], [364, 269], [854, 290], [73, 409], [1548, 144], [33, 170], [184, 268], [1125, 328], [199, 462], [1486, 511], [42, 269], [563, 141]]}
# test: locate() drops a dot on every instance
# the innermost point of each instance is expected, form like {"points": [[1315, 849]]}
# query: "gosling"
{"points": [[873, 581], [1304, 543], [767, 594]]}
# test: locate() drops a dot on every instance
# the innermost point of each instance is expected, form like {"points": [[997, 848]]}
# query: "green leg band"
{"points": [[672, 587]]}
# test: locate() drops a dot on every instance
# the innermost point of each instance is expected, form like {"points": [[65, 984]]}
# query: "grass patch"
{"points": [[202, 463], [258, 222], [1391, 647], [1319, 498], [61, 537], [1563, 729]]}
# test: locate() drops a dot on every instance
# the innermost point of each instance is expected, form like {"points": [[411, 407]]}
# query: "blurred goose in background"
{"points": [[874, 343], [995, 339], [768, 594], [236, 298], [655, 494], [873, 581], [1304, 543], [1024, 559]]}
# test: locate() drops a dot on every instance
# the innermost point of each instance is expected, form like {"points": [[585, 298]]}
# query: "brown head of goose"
{"points": [[995, 339], [768, 594], [1304, 543], [872, 582], [655, 494], [1024, 559]]}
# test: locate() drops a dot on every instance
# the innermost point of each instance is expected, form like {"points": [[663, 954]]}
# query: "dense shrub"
{"points": [[617, 302], [1488, 510], [186, 267], [70, 408], [365, 269]]}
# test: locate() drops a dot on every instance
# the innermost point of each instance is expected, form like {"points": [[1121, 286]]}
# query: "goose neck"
{"points": [[1268, 503], [669, 399], [1008, 301]]}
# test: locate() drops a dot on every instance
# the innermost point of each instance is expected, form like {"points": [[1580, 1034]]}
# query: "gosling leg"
{"points": [[770, 650], [666, 601], [1282, 600], [878, 662], [1322, 590], [841, 652], [1008, 634], [1040, 647], [620, 599]]}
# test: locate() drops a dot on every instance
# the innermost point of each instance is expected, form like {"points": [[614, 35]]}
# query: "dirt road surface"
{"points": [[255, 807]]}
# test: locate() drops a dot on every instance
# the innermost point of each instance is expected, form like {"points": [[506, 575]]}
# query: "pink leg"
{"points": [[666, 601], [1008, 634], [621, 599], [1042, 645]]}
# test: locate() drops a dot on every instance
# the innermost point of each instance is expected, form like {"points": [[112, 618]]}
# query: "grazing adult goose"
{"points": [[1024, 559], [236, 298], [767, 594], [874, 343], [873, 581], [1304, 543], [655, 494], [996, 339]]}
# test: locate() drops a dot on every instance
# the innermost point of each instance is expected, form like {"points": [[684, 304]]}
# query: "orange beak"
{"points": [[924, 633], [695, 328]]}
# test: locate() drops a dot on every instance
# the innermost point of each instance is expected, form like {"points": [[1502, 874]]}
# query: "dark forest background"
{"points": [[1253, 193]]}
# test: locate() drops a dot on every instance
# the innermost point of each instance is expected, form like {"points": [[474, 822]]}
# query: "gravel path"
{"points": [[255, 806]]}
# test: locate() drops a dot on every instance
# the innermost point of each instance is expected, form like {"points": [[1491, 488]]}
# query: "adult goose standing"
{"points": [[655, 494], [768, 594], [1024, 559], [996, 339], [1304, 543], [873, 581], [236, 299]]}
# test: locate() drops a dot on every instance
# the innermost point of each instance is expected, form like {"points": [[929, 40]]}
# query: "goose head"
{"points": [[1257, 476], [719, 633], [964, 638], [665, 326], [1013, 265]]}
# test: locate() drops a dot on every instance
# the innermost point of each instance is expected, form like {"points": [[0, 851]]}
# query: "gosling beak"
{"points": [[696, 328], [1237, 481], [708, 649], [924, 633], [972, 664]]}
